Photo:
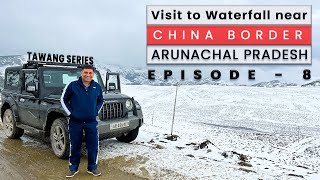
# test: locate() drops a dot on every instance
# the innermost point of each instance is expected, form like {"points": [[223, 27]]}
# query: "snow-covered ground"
{"points": [[223, 133]]}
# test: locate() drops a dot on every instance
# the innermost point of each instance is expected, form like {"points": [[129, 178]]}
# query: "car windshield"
{"points": [[56, 79]]}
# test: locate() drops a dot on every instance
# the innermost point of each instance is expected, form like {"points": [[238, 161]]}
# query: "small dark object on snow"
{"points": [[191, 144], [190, 155], [246, 170], [243, 157], [242, 163], [224, 154], [172, 137], [205, 144], [295, 175], [151, 141], [159, 146], [234, 152], [303, 167], [178, 147]]}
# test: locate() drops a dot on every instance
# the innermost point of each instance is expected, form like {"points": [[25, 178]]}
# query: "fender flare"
{"points": [[55, 110], [13, 106]]}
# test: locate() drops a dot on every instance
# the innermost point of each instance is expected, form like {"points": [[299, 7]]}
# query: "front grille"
{"points": [[112, 111]]}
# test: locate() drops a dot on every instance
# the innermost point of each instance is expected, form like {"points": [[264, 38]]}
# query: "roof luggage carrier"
{"points": [[36, 64]]}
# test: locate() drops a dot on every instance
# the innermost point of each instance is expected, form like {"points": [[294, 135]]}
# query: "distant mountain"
{"points": [[6, 61], [129, 75], [12, 60], [139, 75], [312, 84], [274, 83]]}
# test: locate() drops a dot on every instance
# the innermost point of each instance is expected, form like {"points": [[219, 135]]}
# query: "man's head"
{"points": [[87, 73]]}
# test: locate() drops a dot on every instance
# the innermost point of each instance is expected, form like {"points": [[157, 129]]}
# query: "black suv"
{"points": [[31, 101]]}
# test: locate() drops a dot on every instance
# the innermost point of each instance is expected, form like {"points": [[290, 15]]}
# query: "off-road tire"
{"points": [[59, 138], [10, 125]]}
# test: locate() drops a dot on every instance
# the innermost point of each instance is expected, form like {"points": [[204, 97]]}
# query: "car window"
{"points": [[113, 79], [60, 78], [57, 79], [30, 76], [13, 78]]}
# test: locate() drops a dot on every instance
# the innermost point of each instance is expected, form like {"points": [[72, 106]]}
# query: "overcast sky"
{"points": [[110, 31]]}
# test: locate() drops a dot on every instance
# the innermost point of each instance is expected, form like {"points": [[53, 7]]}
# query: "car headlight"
{"points": [[129, 104]]}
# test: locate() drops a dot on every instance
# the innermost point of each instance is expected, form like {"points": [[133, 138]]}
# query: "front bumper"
{"points": [[106, 132]]}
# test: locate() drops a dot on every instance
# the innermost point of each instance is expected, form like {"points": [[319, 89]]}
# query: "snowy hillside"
{"points": [[139, 75], [129, 75], [6, 61], [224, 133], [220, 132], [274, 83], [312, 84]]}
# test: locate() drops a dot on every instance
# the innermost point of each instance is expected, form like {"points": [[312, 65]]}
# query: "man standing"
{"points": [[82, 100]]}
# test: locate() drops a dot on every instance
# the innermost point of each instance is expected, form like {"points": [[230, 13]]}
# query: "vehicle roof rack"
{"points": [[36, 64]]}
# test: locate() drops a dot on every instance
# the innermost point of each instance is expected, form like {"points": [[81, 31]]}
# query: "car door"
{"points": [[28, 103]]}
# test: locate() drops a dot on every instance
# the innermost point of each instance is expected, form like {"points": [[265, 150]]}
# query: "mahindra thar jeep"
{"points": [[31, 101]]}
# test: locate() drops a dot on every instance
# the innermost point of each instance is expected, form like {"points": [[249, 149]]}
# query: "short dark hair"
{"points": [[87, 66]]}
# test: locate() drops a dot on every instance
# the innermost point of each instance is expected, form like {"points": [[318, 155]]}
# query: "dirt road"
{"points": [[30, 158]]}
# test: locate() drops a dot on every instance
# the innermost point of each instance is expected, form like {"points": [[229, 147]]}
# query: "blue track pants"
{"points": [[92, 143]]}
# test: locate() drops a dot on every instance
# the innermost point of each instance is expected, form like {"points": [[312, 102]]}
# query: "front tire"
{"points": [[59, 138], [131, 136], [10, 125]]}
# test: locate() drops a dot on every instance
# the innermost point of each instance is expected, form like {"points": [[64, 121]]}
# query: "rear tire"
{"points": [[131, 136], [59, 138], [10, 125]]}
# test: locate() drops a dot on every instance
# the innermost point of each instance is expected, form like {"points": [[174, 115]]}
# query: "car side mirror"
{"points": [[32, 88], [112, 86]]}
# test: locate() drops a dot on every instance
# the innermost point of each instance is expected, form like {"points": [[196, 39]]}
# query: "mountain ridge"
{"points": [[138, 76]]}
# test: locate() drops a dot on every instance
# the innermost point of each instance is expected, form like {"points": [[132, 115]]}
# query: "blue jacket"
{"points": [[81, 104]]}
